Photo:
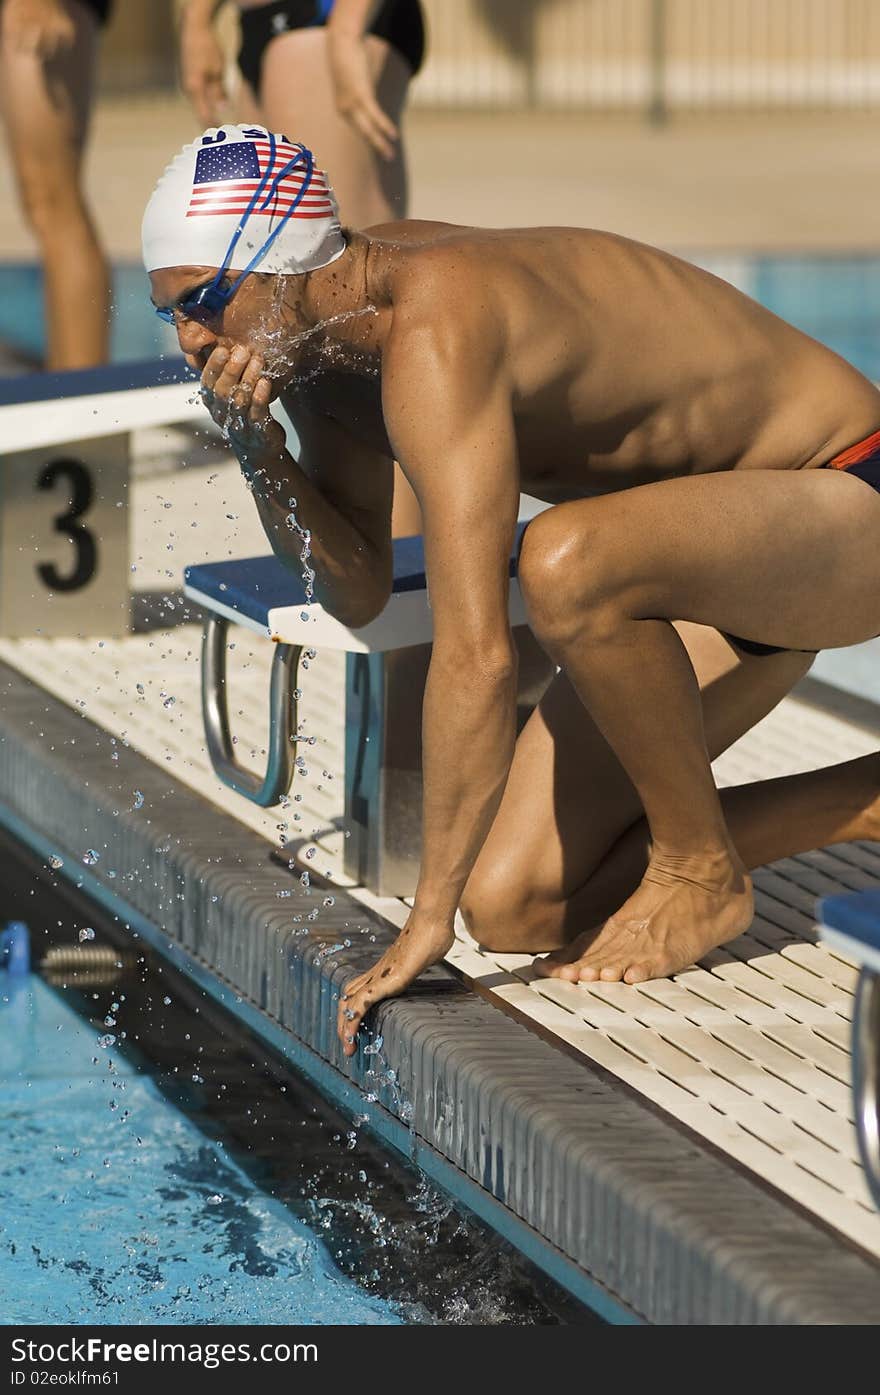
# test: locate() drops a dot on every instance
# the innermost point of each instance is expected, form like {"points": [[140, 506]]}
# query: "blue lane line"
{"points": [[343, 1093]]}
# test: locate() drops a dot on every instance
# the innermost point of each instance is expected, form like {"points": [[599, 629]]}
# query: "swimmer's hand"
{"points": [[41, 27], [202, 67], [354, 91], [418, 945], [237, 393]]}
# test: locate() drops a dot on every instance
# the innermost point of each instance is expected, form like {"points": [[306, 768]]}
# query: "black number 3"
{"points": [[82, 494]]}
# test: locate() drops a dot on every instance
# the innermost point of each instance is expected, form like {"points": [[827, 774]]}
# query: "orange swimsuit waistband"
{"points": [[854, 454]]}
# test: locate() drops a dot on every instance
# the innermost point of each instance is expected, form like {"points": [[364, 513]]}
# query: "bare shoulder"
{"points": [[447, 345]]}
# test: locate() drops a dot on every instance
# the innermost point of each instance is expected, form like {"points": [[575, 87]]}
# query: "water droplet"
{"points": [[90, 857], [214, 1200], [55, 862], [169, 702], [107, 1040], [374, 1047], [166, 1000], [87, 933], [138, 800], [109, 1021], [329, 901], [140, 688]]}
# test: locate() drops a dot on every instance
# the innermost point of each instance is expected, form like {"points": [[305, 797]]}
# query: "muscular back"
{"points": [[625, 364]]}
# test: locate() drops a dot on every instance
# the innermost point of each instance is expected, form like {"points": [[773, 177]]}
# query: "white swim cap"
{"points": [[244, 199]]}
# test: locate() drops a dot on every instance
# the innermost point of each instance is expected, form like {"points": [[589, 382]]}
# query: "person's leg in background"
{"points": [[46, 106]]}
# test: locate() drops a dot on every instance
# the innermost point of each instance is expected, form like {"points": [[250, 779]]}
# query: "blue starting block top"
{"points": [[852, 924], [254, 587]]}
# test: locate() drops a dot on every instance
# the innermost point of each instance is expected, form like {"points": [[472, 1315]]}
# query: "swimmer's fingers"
{"points": [[241, 394], [231, 369], [262, 396], [217, 361], [354, 1003]]}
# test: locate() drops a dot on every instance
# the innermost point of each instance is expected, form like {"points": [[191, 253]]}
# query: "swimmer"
{"points": [[715, 476]]}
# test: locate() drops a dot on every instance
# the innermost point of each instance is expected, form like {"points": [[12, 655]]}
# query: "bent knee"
{"points": [[503, 917], [49, 201], [567, 574]]}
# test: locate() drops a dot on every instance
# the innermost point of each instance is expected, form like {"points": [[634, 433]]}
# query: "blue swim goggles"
{"points": [[208, 302]]}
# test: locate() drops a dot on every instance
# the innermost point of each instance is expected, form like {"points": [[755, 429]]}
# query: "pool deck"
{"points": [[679, 1152], [786, 181]]}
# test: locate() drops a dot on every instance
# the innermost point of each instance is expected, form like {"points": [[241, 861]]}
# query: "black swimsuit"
{"points": [[399, 22], [101, 9]]}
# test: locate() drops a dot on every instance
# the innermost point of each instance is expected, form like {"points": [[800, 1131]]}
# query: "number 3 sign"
{"points": [[64, 539]]}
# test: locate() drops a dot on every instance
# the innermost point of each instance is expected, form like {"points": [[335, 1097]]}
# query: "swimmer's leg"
{"points": [[756, 554], [767, 820], [46, 107], [553, 862]]}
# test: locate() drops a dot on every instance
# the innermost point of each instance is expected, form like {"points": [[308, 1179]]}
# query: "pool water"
{"points": [[160, 1165], [834, 298], [117, 1207], [136, 331]]}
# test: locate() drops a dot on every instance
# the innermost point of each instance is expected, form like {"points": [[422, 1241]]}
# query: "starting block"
{"points": [[386, 664]]}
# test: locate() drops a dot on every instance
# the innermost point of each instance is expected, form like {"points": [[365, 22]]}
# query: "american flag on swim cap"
{"points": [[228, 174]]}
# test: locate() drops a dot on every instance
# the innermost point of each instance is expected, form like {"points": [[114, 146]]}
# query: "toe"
{"points": [[611, 973], [639, 973], [587, 973]]}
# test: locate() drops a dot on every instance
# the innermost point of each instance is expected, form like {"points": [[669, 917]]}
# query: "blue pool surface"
{"points": [[116, 1208], [137, 332], [835, 298]]}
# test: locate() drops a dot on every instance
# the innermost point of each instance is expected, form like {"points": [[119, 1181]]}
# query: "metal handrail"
{"points": [[280, 758]]}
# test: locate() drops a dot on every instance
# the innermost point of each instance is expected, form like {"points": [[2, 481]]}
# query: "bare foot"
{"points": [[684, 907], [415, 949]]}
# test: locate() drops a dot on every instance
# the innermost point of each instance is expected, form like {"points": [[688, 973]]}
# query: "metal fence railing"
{"points": [[657, 56]]}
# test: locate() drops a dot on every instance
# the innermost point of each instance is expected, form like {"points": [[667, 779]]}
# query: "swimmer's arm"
{"points": [[448, 412], [343, 497], [341, 488]]}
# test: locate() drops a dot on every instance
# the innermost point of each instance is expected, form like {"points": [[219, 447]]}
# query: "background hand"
{"points": [[202, 67], [355, 94], [42, 27]]}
